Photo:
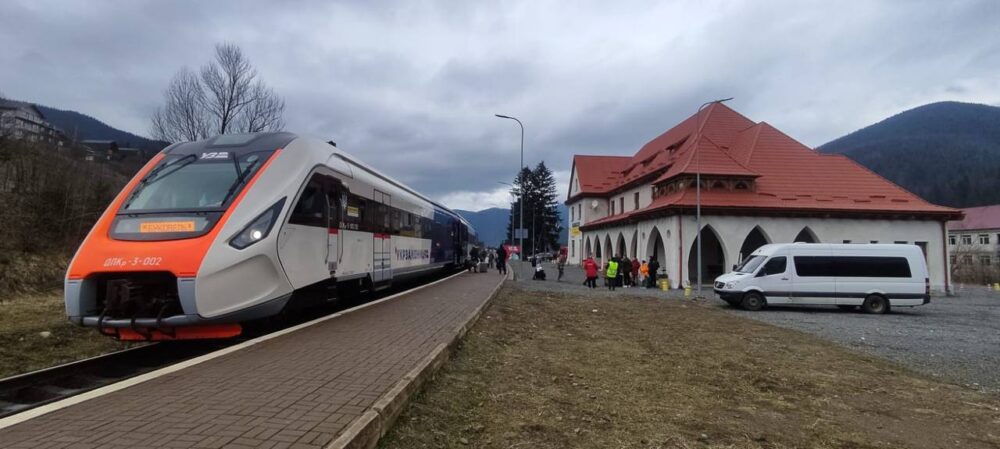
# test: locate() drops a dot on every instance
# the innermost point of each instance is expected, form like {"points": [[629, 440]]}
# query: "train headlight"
{"points": [[258, 228]]}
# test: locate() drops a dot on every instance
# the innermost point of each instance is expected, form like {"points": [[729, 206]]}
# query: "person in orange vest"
{"points": [[644, 272]]}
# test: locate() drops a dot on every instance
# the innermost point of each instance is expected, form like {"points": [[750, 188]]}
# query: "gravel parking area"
{"points": [[953, 338], [956, 338]]}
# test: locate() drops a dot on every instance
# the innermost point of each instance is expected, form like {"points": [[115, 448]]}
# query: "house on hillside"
{"points": [[974, 244], [24, 121], [758, 186], [100, 149]]}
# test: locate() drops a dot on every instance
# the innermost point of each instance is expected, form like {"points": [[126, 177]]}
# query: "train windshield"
{"points": [[193, 182]]}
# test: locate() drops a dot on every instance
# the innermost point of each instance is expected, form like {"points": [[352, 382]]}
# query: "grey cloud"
{"points": [[412, 87]]}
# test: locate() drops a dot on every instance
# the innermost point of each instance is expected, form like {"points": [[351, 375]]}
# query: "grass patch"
{"points": [[22, 346], [543, 370]]}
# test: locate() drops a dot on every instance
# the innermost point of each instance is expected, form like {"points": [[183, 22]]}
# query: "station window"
{"points": [[612, 207], [984, 260], [635, 199], [621, 204], [966, 239], [847, 241], [954, 259], [900, 242], [984, 239], [952, 240], [966, 260]]}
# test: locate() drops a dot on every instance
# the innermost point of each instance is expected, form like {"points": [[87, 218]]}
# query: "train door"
{"points": [[336, 199], [382, 244]]}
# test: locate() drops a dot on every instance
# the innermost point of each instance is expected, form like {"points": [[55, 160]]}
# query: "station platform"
{"points": [[330, 384]]}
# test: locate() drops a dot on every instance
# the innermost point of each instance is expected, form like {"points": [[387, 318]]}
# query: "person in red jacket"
{"points": [[590, 267]]}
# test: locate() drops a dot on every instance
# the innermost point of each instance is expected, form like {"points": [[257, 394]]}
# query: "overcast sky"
{"points": [[411, 87]]}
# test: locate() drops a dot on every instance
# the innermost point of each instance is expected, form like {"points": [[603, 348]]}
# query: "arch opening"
{"points": [[806, 235], [621, 246], [755, 239], [655, 247], [588, 252], [713, 257]]}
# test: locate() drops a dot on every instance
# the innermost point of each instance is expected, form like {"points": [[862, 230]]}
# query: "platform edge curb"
{"points": [[365, 431]]}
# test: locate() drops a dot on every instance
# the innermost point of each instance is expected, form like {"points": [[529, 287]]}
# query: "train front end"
{"points": [[186, 249]]}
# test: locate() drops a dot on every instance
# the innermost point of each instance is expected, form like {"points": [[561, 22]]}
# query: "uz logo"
{"points": [[215, 155]]}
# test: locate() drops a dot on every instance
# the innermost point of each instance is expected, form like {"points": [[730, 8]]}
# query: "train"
{"points": [[214, 234]]}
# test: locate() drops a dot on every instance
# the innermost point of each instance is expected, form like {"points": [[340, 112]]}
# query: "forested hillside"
{"points": [[84, 127], [948, 152]]}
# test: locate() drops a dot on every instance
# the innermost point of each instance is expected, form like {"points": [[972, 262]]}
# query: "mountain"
{"points": [[493, 224], [86, 127], [947, 153]]}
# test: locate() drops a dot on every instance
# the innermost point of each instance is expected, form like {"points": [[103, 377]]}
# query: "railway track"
{"points": [[37, 388], [34, 389]]}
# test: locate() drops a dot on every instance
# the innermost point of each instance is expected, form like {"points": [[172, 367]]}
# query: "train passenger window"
{"points": [[310, 210], [354, 213]]}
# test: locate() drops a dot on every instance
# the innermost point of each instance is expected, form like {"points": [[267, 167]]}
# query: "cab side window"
{"points": [[776, 265], [311, 208]]}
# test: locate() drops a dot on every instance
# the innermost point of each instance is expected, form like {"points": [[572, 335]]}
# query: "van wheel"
{"points": [[753, 301], [875, 304]]}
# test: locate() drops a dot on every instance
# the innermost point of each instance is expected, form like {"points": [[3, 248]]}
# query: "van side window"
{"points": [[873, 267], [852, 266], [813, 266], [310, 210], [776, 265]]}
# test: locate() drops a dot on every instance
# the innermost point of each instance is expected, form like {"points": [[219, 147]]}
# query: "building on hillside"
{"points": [[24, 121], [974, 244], [101, 149], [758, 186]]}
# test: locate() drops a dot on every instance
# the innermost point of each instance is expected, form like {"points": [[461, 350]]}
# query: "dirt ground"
{"points": [[554, 370], [23, 348]]}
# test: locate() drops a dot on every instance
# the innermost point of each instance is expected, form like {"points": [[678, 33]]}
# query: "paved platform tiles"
{"points": [[298, 390]]}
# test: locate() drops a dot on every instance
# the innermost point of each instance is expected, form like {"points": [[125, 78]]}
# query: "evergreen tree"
{"points": [[541, 214], [546, 208]]}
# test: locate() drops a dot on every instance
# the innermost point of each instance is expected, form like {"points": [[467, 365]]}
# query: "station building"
{"points": [[758, 186]]}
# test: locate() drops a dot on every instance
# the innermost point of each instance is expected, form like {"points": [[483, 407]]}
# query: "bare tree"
{"points": [[228, 97], [183, 117]]}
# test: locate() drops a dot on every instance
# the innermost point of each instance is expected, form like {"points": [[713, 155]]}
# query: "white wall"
{"points": [[678, 236]]}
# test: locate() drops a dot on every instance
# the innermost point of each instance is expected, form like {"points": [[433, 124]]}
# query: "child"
{"points": [[644, 271]]}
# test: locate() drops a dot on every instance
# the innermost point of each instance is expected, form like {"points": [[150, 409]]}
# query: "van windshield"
{"points": [[750, 265]]}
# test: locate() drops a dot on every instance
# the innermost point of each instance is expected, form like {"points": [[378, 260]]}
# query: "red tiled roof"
{"points": [[598, 174], [788, 175], [985, 217]]}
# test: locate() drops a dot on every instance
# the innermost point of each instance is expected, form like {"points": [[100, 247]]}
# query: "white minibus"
{"points": [[871, 276]]}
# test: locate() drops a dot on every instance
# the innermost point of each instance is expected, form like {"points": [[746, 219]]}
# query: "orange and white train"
{"points": [[213, 234]]}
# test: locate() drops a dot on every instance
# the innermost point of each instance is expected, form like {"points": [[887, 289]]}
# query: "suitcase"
{"points": [[483, 267]]}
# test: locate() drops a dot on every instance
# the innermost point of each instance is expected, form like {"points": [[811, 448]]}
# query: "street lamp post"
{"points": [[520, 217], [512, 220], [697, 190]]}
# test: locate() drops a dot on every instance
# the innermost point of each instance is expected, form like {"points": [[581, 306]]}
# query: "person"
{"points": [[502, 260], [590, 269], [644, 272], [539, 273], [612, 273], [635, 272], [561, 266], [625, 271], [654, 266], [491, 257]]}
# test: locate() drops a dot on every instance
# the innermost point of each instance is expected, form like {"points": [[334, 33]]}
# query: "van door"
{"points": [[814, 280], [775, 281]]}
